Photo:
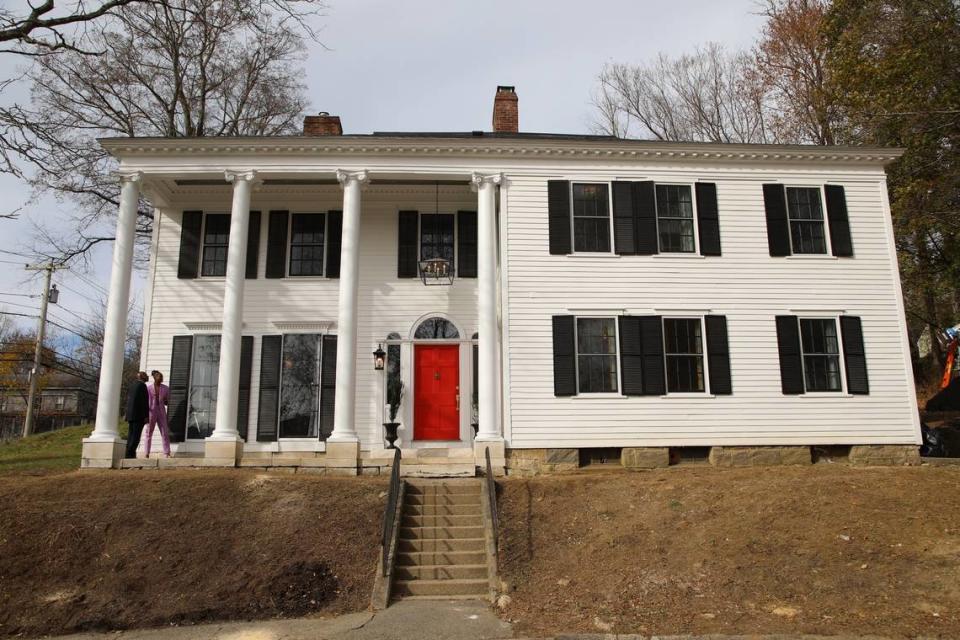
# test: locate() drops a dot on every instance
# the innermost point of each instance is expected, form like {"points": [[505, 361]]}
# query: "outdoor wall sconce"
{"points": [[379, 358]]}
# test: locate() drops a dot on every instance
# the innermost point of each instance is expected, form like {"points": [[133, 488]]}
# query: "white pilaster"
{"points": [[344, 417], [104, 448], [224, 445], [489, 340]]}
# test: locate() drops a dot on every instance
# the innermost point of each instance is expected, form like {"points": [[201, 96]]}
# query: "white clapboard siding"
{"points": [[745, 284]]}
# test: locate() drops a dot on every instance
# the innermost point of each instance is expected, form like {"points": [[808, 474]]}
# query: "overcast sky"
{"points": [[431, 65]]}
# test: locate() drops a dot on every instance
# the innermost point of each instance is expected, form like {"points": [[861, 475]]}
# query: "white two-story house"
{"points": [[541, 296]]}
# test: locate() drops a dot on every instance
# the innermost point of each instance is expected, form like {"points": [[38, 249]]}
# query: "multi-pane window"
{"points": [[436, 236], [821, 354], [306, 244], [683, 350], [597, 355], [591, 217], [805, 213], [216, 233], [675, 218], [300, 386], [204, 373]]}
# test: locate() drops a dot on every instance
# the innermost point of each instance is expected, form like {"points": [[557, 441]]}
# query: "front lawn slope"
{"points": [[125, 549], [827, 549]]}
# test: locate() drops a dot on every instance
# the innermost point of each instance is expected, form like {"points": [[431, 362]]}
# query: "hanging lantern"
{"points": [[379, 358], [436, 271]]}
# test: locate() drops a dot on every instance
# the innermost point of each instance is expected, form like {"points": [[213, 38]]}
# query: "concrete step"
{"points": [[441, 572], [437, 533], [474, 520], [434, 470], [459, 587], [442, 509], [441, 499], [442, 545], [447, 488], [422, 558]]}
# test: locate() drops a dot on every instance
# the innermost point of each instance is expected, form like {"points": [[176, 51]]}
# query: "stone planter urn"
{"points": [[390, 433]]}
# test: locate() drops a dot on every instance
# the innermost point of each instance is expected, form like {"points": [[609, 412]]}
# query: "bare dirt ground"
{"points": [[119, 550], [827, 549]]}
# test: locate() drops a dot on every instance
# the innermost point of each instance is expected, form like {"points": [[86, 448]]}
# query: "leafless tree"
{"points": [[43, 29], [709, 95], [176, 68]]}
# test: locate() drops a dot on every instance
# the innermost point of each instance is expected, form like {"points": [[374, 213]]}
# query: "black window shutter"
{"points": [[179, 384], [467, 244], [631, 356], [277, 244], [840, 240], [271, 349], [708, 218], [854, 357], [334, 240], [328, 385], [791, 360], [190, 229], [651, 345], [253, 245], [645, 218], [718, 355], [407, 253], [624, 228], [778, 229], [564, 357], [558, 208], [243, 399]]}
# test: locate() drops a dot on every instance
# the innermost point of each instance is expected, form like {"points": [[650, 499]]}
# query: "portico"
{"points": [[250, 188]]}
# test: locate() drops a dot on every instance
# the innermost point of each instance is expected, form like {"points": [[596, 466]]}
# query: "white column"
{"points": [[228, 382], [344, 416], [115, 327], [489, 340]]}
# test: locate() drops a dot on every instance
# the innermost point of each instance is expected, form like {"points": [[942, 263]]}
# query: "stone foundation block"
{"points": [[645, 457], [759, 456], [102, 454], [318, 471], [562, 456], [222, 453], [885, 455]]}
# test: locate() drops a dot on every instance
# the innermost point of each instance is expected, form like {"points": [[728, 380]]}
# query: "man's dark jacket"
{"points": [[138, 407]]}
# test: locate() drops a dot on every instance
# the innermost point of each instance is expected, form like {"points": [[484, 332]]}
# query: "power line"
{"points": [[14, 253], [76, 333], [20, 295], [17, 304], [12, 313]]}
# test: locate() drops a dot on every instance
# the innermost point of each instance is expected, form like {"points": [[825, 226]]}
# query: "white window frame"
{"points": [[456, 239], [576, 357], [696, 218], [573, 233], [842, 391], [193, 353], [828, 253], [326, 244], [703, 354], [203, 244], [283, 341]]}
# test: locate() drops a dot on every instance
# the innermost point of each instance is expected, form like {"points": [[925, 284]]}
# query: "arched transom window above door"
{"points": [[436, 328]]}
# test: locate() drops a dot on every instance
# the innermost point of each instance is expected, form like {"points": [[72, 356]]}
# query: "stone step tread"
{"points": [[466, 519], [425, 558], [443, 489], [442, 499], [457, 586], [442, 545], [447, 597], [440, 533], [442, 509], [441, 572]]}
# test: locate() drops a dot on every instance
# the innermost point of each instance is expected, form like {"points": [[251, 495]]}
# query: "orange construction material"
{"points": [[948, 370]]}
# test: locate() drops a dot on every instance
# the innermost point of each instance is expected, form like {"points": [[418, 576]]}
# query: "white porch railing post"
{"points": [[104, 448], [344, 441], [488, 387], [224, 446]]}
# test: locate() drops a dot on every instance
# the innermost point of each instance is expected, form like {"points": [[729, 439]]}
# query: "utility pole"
{"points": [[49, 295]]}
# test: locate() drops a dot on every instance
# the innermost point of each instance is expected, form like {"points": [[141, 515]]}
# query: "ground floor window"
{"points": [[597, 355], [300, 386], [821, 354], [683, 350], [204, 375]]}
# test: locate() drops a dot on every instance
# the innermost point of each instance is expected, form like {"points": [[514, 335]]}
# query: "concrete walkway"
{"points": [[419, 619]]}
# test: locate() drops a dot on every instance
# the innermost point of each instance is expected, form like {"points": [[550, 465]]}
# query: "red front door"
{"points": [[436, 406]]}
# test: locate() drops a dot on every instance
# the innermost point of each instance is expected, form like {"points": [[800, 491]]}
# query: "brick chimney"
{"points": [[506, 112], [322, 124]]}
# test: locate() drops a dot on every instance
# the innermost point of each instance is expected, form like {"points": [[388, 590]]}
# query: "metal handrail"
{"points": [[390, 514], [492, 499]]}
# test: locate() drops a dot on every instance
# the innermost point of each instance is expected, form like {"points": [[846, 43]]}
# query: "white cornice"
{"points": [[496, 148], [319, 326]]}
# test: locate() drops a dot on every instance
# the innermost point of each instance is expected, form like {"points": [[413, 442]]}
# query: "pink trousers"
{"points": [[158, 419]]}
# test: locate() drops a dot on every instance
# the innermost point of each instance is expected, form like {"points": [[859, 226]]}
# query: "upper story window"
{"points": [[307, 238], [591, 217], [675, 226], [821, 354], [216, 233], [596, 355], [683, 350], [805, 214], [437, 237]]}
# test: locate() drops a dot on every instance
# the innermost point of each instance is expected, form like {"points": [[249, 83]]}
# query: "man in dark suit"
{"points": [[138, 411]]}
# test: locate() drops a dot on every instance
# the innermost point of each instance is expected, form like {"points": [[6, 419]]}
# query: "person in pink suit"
{"points": [[159, 395]]}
